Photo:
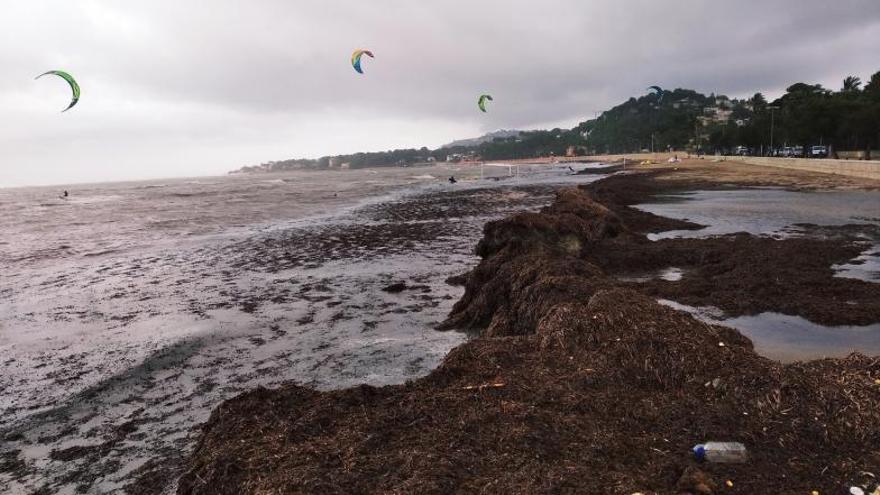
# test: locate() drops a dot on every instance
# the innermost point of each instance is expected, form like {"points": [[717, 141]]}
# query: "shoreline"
{"points": [[114, 400], [581, 381]]}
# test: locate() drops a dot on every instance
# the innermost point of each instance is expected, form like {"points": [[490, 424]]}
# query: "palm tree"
{"points": [[873, 86], [851, 84], [758, 102]]}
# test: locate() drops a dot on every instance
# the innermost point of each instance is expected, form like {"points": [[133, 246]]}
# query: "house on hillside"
{"points": [[723, 102], [684, 103], [715, 115]]}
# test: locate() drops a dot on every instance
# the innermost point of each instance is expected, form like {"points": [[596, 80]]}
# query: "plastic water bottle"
{"points": [[728, 452]]}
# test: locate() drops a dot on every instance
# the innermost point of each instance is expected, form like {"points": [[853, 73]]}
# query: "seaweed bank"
{"points": [[581, 382]]}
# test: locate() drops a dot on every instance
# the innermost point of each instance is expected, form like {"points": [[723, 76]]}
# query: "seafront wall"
{"points": [[636, 157], [869, 169]]}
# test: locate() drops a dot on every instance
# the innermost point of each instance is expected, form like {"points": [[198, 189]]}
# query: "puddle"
{"points": [[777, 213], [763, 211], [864, 267], [789, 338]]}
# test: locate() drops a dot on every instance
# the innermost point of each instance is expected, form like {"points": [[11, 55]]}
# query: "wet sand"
{"points": [[151, 343], [580, 381]]}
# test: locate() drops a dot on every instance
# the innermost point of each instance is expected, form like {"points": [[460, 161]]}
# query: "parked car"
{"points": [[787, 152], [818, 152], [741, 151], [797, 151]]}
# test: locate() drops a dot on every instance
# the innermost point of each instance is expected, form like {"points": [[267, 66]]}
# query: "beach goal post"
{"points": [[511, 169]]}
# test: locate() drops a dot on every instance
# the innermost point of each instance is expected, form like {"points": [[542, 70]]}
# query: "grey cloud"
{"points": [[184, 75]]}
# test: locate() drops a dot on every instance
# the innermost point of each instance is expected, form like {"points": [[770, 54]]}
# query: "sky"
{"points": [[189, 88]]}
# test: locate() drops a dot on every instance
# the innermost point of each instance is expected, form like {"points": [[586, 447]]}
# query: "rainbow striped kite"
{"points": [[356, 59]]}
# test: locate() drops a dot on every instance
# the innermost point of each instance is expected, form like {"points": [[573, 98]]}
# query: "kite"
{"points": [[658, 91], [482, 101], [356, 59], [70, 80]]}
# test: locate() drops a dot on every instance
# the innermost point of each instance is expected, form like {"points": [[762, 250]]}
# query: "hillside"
{"points": [[485, 138], [679, 119]]}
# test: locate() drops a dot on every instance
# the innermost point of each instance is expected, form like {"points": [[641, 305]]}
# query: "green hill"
{"points": [[680, 119]]}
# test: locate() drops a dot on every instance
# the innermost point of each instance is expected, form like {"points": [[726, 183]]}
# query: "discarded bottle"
{"points": [[725, 452]]}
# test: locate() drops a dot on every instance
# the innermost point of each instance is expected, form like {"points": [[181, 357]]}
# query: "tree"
{"points": [[759, 103], [801, 90], [806, 114], [740, 112], [872, 89], [851, 84]]}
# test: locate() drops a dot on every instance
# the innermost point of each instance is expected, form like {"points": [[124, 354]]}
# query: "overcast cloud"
{"points": [[177, 87]]}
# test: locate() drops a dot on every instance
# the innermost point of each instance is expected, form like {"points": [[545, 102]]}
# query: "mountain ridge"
{"points": [[485, 138]]}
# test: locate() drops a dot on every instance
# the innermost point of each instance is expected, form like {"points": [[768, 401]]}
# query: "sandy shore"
{"points": [[580, 382], [711, 172]]}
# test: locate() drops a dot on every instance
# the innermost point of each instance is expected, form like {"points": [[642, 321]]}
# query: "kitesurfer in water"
{"points": [[64, 196], [452, 179]]}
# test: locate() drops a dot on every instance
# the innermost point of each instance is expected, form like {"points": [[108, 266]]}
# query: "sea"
{"points": [[130, 310]]}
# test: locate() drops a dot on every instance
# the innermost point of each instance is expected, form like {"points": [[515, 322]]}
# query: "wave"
{"points": [[191, 194], [88, 200], [100, 253]]}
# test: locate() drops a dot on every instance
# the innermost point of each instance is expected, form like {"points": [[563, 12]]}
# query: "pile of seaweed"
{"points": [[578, 383]]}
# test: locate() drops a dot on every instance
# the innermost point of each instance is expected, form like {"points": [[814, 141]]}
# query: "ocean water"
{"points": [[130, 310], [100, 219]]}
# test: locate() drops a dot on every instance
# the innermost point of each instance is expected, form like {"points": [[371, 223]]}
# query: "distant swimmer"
{"points": [[569, 167], [452, 179], [65, 195]]}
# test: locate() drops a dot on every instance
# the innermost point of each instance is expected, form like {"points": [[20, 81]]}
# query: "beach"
{"points": [[131, 311], [611, 337], [269, 248]]}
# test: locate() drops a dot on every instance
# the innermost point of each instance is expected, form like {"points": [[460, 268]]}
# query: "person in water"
{"points": [[64, 195], [452, 179]]}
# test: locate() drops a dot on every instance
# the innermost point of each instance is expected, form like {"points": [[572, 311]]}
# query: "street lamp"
{"points": [[772, 122]]}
